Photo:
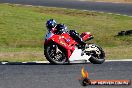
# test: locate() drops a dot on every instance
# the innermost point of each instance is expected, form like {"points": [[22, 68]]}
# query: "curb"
{"points": [[48, 63], [25, 63]]}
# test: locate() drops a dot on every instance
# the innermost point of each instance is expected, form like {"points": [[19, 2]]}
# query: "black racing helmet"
{"points": [[51, 23], [60, 28]]}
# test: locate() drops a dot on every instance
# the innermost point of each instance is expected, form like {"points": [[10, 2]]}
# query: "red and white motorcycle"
{"points": [[61, 48]]}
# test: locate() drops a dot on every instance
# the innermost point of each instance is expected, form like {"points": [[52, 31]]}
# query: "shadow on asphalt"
{"points": [[21, 63]]}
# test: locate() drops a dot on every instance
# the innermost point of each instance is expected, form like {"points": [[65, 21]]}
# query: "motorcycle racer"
{"points": [[62, 46], [55, 28]]}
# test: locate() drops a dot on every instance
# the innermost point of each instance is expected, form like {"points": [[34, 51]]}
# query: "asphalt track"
{"points": [[61, 76], [75, 4]]}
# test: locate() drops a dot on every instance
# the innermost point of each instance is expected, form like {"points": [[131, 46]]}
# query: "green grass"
{"points": [[22, 29]]}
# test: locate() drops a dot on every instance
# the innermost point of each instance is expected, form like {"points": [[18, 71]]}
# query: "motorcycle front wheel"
{"points": [[55, 54]]}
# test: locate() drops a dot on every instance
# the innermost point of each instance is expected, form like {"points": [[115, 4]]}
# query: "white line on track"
{"points": [[46, 62], [105, 60], [119, 60]]}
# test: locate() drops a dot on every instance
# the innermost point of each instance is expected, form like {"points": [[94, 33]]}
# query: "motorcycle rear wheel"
{"points": [[55, 54], [97, 58]]}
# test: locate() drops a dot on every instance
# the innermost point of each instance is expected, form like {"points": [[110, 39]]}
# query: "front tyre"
{"points": [[97, 54], [55, 54]]}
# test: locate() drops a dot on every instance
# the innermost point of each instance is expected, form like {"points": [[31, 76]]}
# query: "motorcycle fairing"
{"points": [[86, 36], [63, 40]]}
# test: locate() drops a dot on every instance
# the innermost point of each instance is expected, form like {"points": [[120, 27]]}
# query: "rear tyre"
{"points": [[55, 54], [97, 54]]}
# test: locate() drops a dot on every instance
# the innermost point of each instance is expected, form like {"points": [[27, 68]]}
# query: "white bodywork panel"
{"points": [[76, 56]]}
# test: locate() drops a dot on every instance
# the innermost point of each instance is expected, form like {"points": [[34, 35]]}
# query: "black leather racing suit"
{"points": [[77, 38]]}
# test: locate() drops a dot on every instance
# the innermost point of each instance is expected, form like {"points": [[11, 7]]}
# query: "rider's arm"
{"points": [[76, 37]]}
